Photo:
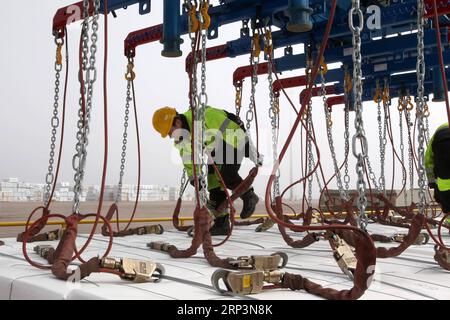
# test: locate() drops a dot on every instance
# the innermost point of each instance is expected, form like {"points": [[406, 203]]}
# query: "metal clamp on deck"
{"points": [[421, 239], [261, 263], [245, 282], [160, 246], [345, 257], [266, 225], [135, 270], [154, 229], [42, 250], [55, 234]]}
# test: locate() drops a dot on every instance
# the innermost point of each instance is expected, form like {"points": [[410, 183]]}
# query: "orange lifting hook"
{"points": [[195, 24], [206, 17], [268, 49], [256, 45], [130, 75]]}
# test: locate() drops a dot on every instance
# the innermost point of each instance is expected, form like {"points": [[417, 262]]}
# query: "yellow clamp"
{"points": [[256, 45], [268, 47], [379, 96], [130, 75], [348, 86], [59, 56], [323, 66], [386, 95], [195, 24], [206, 17], [329, 122], [409, 106], [426, 111]]}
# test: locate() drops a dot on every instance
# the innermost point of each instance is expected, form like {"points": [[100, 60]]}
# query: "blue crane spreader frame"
{"points": [[387, 48]]}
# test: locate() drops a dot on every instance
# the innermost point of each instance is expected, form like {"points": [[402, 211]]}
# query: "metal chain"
{"points": [[410, 154], [79, 159], [183, 182], [382, 140], [402, 155], [420, 104], [274, 112], [347, 148], [125, 133], [359, 124], [238, 99], [250, 115], [50, 177], [203, 102], [329, 124]]}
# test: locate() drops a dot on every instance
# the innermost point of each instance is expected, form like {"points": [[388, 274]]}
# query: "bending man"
{"points": [[226, 143]]}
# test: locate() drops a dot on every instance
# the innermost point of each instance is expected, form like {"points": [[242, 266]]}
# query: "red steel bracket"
{"points": [[213, 53], [443, 7], [142, 37], [315, 92], [245, 72], [287, 83], [334, 101]]}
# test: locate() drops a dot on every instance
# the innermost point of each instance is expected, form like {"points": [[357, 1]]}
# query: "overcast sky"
{"points": [[26, 103]]}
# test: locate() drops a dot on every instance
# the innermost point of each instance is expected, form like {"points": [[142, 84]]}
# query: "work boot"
{"points": [[221, 226], [250, 200]]}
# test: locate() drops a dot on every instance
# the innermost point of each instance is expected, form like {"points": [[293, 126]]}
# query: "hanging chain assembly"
{"points": [[84, 113], [274, 110], [50, 177], [129, 76], [329, 124], [420, 102], [359, 124]]}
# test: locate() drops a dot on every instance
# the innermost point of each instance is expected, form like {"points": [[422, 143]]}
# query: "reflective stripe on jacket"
{"points": [[218, 127]]}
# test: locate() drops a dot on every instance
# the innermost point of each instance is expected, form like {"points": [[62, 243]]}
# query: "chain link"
{"points": [[359, 124], [90, 76], [274, 114], [250, 115], [125, 132], [183, 183], [50, 177], [410, 155], [420, 101], [347, 148], [328, 119], [402, 156], [202, 104]]}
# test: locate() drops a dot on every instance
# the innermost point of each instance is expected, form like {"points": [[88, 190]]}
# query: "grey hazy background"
{"points": [[26, 100]]}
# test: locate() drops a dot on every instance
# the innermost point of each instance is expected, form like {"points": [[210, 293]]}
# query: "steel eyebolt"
{"points": [[218, 275], [284, 259], [161, 271]]}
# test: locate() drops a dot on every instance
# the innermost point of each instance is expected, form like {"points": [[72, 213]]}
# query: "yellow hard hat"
{"points": [[163, 120]]}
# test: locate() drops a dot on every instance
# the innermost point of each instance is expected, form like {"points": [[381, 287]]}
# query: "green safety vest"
{"points": [[216, 122], [443, 184]]}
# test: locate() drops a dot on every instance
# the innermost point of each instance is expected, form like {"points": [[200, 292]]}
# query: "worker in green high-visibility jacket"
{"points": [[227, 144], [437, 165]]}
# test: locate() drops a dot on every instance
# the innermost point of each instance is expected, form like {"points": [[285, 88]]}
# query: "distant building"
{"points": [[13, 190]]}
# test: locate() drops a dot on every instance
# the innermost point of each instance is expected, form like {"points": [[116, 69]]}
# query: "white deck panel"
{"points": [[413, 275]]}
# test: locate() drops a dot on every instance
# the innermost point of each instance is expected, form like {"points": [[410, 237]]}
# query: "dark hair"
{"points": [[184, 122]]}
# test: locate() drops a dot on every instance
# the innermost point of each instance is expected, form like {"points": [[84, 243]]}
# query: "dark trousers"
{"points": [[231, 178], [441, 150]]}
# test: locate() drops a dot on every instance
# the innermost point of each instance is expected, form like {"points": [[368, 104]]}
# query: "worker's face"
{"points": [[177, 124]]}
